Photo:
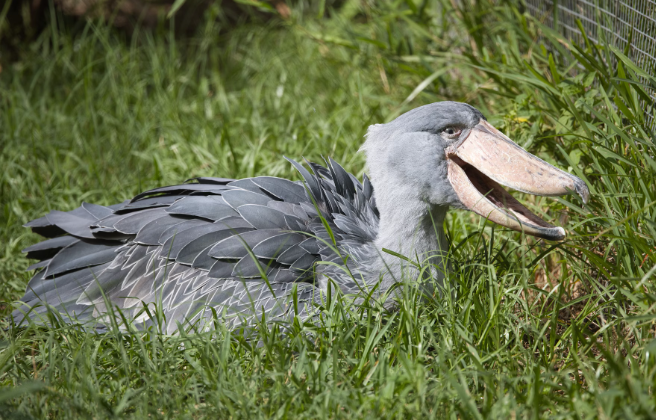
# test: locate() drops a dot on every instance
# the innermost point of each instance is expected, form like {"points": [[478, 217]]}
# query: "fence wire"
{"points": [[610, 20]]}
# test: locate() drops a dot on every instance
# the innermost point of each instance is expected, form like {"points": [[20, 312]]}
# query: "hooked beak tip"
{"points": [[559, 234], [582, 190], [555, 234]]}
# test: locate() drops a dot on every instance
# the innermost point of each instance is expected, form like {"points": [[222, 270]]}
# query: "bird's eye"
{"points": [[452, 132]]}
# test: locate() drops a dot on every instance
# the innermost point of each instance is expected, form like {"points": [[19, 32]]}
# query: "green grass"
{"points": [[529, 329]]}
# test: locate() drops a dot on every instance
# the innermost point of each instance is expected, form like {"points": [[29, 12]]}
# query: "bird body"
{"points": [[241, 248], [206, 244]]}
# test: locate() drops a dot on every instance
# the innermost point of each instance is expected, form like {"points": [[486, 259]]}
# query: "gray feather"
{"points": [[276, 245], [304, 262], [134, 222], [38, 265], [234, 223], [211, 180], [285, 276], [342, 179], [310, 180], [212, 208], [49, 248], [247, 267], [221, 270], [150, 233], [311, 245], [146, 203], [175, 229], [172, 247], [136, 254], [284, 189], [237, 246], [109, 221], [291, 254], [71, 224], [192, 250], [238, 198], [203, 261], [263, 217], [281, 206], [78, 255], [183, 189], [98, 212], [39, 286], [246, 184]]}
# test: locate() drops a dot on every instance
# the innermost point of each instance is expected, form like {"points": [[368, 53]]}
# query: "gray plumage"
{"points": [[189, 247], [204, 245]]}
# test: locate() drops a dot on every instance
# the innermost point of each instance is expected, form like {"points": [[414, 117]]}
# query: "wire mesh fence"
{"points": [[614, 21]]}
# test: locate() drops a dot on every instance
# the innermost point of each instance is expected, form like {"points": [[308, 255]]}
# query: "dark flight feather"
{"points": [[71, 224], [183, 189], [211, 180], [47, 249], [212, 208], [161, 201]]}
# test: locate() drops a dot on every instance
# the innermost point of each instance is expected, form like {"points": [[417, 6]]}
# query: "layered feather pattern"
{"points": [[236, 247]]}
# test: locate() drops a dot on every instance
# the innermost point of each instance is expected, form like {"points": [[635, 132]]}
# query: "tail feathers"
{"points": [[59, 294]]}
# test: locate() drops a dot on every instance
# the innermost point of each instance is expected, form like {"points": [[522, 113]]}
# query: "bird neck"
{"points": [[413, 228]]}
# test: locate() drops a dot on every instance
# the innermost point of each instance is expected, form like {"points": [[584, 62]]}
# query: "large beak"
{"points": [[486, 159]]}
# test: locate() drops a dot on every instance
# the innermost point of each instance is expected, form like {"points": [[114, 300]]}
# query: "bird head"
{"points": [[446, 153]]}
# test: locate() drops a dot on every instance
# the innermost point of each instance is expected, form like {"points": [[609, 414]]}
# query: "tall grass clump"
{"points": [[525, 329]]}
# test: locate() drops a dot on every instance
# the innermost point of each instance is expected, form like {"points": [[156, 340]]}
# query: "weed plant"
{"points": [[525, 329]]}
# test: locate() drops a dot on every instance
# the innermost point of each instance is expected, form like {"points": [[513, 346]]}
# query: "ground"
{"points": [[528, 329]]}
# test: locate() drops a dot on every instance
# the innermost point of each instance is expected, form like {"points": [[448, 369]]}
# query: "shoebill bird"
{"points": [[252, 246]]}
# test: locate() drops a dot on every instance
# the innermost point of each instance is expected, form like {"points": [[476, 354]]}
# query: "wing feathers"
{"points": [[48, 249], [263, 217], [150, 233], [291, 254], [192, 249], [134, 222], [238, 246], [184, 189], [238, 198], [284, 189], [247, 267], [78, 255], [212, 208], [98, 212], [274, 246], [207, 242], [72, 224]]}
